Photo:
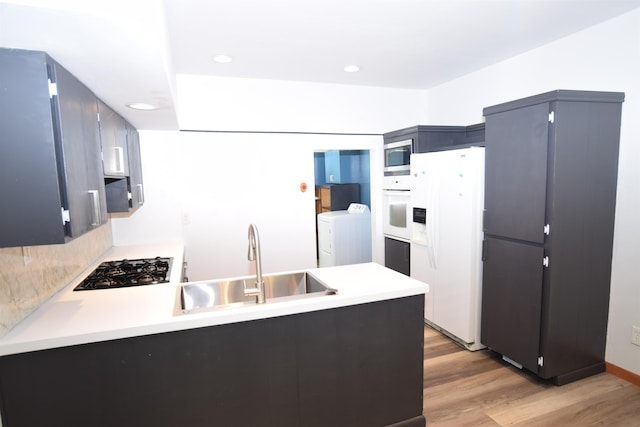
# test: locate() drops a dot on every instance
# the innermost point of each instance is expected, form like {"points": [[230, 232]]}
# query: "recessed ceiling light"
{"points": [[222, 59], [351, 68], [142, 106]]}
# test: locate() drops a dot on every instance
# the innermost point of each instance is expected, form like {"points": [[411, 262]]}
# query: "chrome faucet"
{"points": [[254, 255]]}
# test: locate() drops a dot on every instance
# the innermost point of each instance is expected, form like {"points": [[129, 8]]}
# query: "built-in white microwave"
{"points": [[397, 157]]}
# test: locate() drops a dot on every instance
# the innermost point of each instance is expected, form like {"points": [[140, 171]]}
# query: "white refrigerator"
{"points": [[447, 198]]}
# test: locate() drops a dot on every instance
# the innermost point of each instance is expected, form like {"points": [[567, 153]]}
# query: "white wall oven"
{"points": [[396, 216], [397, 229], [396, 209]]}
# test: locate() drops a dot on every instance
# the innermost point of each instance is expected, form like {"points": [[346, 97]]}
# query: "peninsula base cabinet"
{"points": [[550, 190], [352, 366]]}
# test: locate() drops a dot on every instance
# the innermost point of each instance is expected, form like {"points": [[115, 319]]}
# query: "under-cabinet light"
{"points": [[142, 106], [222, 59]]}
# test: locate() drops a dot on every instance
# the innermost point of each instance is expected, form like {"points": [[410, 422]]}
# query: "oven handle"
{"points": [[403, 143], [396, 192], [401, 168]]}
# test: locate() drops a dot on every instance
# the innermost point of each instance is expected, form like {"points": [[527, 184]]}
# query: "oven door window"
{"points": [[398, 214], [398, 156], [396, 219]]}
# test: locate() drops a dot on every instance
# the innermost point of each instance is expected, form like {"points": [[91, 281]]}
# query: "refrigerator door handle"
{"points": [[432, 257], [431, 226]]}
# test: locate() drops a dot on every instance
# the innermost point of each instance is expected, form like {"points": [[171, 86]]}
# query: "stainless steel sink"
{"points": [[197, 297]]}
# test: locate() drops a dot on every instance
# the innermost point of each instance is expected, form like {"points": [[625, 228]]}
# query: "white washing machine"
{"points": [[344, 237]]}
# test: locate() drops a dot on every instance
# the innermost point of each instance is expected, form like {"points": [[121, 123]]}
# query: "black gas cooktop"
{"points": [[127, 272]]}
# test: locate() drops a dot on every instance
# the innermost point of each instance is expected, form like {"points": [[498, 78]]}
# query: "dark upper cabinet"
{"points": [[51, 179], [550, 188], [135, 167], [433, 138], [127, 194], [113, 138]]}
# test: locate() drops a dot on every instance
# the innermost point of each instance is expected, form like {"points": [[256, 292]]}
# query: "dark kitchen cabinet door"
{"points": [[397, 255], [127, 194], [135, 167], [511, 323], [516, 173], [113, 139], [80, 134], [50, 175]]}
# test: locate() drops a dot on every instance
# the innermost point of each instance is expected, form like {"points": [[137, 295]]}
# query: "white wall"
{"points": [[206, 188], [606, 58], [233, 104]]}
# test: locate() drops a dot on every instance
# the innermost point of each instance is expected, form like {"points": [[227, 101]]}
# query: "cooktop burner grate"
{"points": [[125, 273]]}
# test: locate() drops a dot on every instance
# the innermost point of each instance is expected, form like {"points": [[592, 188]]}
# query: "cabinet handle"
{"points": [[140, 194], [119, 160], [485, 251], [95, 208]]}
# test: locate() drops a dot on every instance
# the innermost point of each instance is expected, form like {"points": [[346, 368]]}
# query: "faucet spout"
{"points": [[254, 255]]}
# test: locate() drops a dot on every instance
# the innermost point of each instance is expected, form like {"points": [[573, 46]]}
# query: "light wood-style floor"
{"points": [[463, 388]]}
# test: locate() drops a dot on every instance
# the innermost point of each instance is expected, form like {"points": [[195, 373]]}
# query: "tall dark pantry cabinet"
{"points": [[550, 192]]}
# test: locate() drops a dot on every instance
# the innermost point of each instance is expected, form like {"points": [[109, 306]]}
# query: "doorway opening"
{"points": [[341, 177]]}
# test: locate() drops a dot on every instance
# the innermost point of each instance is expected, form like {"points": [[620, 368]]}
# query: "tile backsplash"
{"points": [[26, 283]]}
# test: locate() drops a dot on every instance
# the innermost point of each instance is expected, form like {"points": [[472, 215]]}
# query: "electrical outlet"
{"points": [[26, 255], [186, 218], [635, 335]]}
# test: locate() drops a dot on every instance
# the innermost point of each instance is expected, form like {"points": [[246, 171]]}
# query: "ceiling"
{"points": [[131, 50]]}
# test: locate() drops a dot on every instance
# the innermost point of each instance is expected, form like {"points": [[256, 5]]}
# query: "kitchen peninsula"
{"points": [[121, 357]]}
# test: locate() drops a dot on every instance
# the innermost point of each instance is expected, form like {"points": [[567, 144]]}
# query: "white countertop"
{"points": [[71, 318]]}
